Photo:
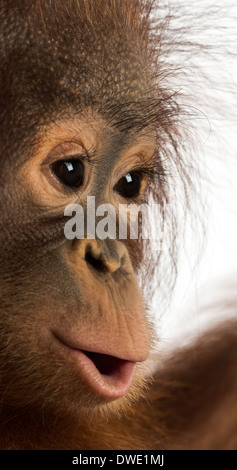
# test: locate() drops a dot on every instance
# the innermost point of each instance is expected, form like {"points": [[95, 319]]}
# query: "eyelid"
{"points": [[146, 167], [66, 151], [146, 173], [50, 161]]}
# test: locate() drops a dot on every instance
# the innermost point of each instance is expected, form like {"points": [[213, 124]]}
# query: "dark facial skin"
{"points": [[55, 291], [82, 81], [70, 327]]}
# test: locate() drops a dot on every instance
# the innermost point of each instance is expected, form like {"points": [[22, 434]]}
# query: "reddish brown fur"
{"points": [[103, 68], [191, 404]]}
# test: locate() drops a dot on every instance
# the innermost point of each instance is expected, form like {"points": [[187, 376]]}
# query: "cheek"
{"points": [[52, 293], [48, 288]]}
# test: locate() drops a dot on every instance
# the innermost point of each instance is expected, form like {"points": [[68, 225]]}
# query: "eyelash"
{"points": [[148, 173]]}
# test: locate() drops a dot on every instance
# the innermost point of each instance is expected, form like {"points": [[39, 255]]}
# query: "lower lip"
{"points": [[109, 386]]}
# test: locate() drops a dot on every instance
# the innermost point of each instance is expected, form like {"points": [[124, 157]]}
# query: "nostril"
{"points": [[100, 257], [96, 263]]}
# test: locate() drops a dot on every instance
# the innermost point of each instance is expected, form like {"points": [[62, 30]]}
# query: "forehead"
{"points": [[78, 46], [69, 56]]}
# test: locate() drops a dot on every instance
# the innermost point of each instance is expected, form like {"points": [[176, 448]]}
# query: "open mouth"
{"points": [[107, 376], [106, 365]]}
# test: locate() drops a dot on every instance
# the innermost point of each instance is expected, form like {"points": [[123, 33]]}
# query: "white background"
{"points": [[216, 274]]}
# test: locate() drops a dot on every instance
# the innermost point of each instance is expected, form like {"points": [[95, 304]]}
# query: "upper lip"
{"points": [[100, 347]]}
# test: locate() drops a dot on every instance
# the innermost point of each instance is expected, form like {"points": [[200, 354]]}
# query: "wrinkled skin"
{"points": [[76, 339]]}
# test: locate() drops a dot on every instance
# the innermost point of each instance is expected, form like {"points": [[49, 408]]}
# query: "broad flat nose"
{"points": [[103, 255]]}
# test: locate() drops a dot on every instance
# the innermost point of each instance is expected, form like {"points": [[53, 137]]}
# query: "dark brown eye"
{"points": [[69, 172], [129, 186]]}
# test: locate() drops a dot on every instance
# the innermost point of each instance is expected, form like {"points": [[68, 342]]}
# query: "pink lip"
{"points": [[107, 376]]}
